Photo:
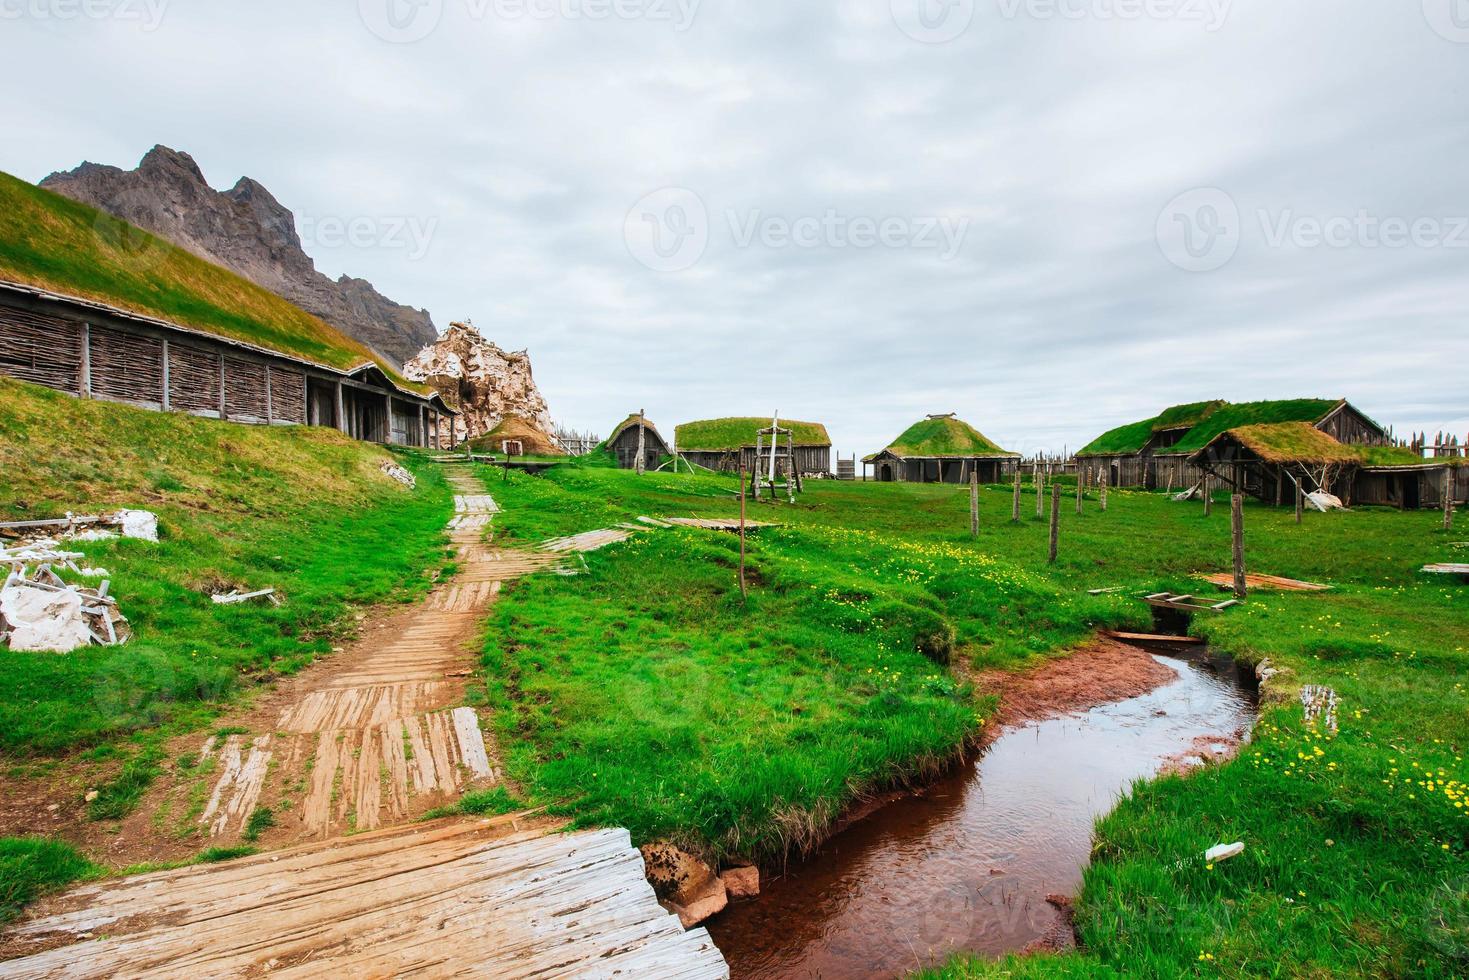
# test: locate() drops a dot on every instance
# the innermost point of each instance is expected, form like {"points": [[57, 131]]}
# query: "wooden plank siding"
{"points": [[91, 351], [810, 460]]}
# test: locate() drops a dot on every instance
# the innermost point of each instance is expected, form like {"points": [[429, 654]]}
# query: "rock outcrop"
{"points": [[685, 885], [484, 382], [249, 232]]}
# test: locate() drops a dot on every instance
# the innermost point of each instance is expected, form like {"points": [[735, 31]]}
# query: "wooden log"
{"points": [[643, 448], [744, 592], [1208, 496], [1055, 521], [1300, 502], [1448, 498], [1040, 492], [1103, 492], [974, 503], [1015, 505], [1237, 527]]}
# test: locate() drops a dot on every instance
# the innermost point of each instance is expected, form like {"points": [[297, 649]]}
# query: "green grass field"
{"points": [[644, 693]]}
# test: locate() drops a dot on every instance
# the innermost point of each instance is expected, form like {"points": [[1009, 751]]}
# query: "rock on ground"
{"points": [[485, 382], [684, 884]]}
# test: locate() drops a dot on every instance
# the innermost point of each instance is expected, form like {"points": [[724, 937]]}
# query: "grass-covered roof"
{"points": [[1133, 437], [947, 436], [721, 435], [1309, 410], [54, 243], [1290, 442], [628, 423], [533, 441]]}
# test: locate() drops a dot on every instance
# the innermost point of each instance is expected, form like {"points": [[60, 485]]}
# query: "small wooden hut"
{"points": [[515, 436], [727, 444], [623, 443], [941, 449]]}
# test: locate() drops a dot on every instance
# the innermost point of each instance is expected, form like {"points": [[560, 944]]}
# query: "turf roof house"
{"points": [[1127, 454], [1266, 448], [941, 449], [727, 444], [149, 324], [623, 444]]}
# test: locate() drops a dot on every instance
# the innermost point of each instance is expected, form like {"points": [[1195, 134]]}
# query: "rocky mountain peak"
{"points": [[248, 231]]}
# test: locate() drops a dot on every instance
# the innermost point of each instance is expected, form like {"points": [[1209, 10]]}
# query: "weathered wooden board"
{"points": [[1226, 581], [447, 899]]}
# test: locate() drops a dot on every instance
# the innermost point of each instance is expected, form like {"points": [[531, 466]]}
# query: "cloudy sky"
{"points": [[1050, 216]]}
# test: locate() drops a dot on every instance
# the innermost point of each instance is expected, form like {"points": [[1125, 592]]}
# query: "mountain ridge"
{"points": [[248, 231]]}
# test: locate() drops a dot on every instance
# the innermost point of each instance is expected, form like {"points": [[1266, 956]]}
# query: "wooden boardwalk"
{"points": [[467, 898], [367, 739]]}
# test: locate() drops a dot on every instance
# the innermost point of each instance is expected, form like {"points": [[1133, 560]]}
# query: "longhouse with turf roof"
{"points": [[940, 449], [725, 445], [1127, 454], [635, 431], [97, 308]]}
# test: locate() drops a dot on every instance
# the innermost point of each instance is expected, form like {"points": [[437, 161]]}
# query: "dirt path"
{"points": [[344, 758]]}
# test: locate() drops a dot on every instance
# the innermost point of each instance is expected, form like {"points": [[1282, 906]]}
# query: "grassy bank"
{"points": [[304, 511], [642, 693]]}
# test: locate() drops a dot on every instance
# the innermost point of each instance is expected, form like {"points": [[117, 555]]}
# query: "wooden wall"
{"points": [[810, 460], [93, 354], [625, 448]]}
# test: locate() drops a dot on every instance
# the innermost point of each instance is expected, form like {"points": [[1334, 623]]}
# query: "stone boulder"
{"points": [[685, 885], [485, 383]]}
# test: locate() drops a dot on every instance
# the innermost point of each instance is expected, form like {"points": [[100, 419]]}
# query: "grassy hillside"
{"points": [[53, 242], [643, 693], [306, 511], [717, 435]]}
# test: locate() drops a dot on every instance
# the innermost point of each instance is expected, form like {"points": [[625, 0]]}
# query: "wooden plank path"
{"points": [[466, 898], [372, 738], [1225, 580]]}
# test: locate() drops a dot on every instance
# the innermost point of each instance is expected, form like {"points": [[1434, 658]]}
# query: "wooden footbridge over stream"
{"points": [[359, 747]]}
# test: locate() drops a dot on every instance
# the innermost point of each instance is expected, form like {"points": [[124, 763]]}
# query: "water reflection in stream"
{"points": [[967, 865]]}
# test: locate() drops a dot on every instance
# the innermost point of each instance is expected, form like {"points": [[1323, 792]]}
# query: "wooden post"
{"points": [[1103, 492], [1300, 501], [1208, 496], [1015, 506], [1237, 526], [1448, 498], [643, 446], [744, 593], [84, 382], [974, 503], [1055, 520], [269, 399], [167, 382], [1080, 490], [341, 409], [1040, 491]]}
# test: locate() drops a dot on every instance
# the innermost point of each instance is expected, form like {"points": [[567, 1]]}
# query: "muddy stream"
{"points": [[967, 865]]}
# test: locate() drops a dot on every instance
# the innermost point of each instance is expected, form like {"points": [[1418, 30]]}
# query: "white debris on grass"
{"points": [[400, 474], [140, 524], [1323, 501], [1223, 852], [37, 619], [235, 596]]}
